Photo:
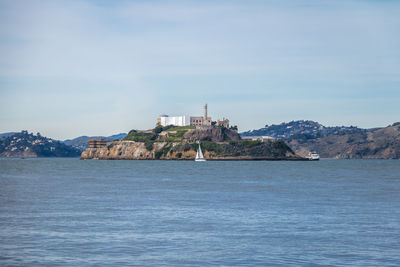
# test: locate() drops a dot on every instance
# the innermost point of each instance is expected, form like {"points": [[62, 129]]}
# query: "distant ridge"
{"points": [[312, 129], [5, 135], [119, 136], [28, 145], [336, 142], [82, 142]]}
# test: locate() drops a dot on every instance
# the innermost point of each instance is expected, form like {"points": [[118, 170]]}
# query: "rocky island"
{"points": [[180, 143]]}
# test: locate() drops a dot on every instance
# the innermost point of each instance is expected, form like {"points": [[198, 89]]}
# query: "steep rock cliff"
{"points": [[233, 150], [214, 134]]}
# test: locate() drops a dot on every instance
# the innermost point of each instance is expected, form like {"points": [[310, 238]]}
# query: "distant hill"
{"points": [[5, 135], [311, 129], [26, 144], [119, 136], [82, 142], [383, 143], [336, 142]]}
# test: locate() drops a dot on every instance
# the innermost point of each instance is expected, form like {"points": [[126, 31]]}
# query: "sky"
{"points": [[72, 68]]}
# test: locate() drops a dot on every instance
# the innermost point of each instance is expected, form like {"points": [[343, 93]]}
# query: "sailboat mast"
{"points": [[199, 154]]}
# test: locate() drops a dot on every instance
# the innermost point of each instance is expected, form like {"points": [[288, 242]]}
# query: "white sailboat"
{"points": [[199, 155]]}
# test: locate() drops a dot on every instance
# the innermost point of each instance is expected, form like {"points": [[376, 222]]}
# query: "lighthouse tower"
{"points": [[201, 120], [205, 114]]}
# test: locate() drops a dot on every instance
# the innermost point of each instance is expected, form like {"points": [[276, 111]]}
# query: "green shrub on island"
{"points": [[166, 149], [194, 146], [158, 129], [174, 134], [163, 152], [157, 154], [234, 148], [178, 128], [187, 147], [248, 148], [149, 145], [139, 136]]}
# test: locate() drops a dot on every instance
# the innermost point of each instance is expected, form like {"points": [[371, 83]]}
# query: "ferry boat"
{"points": [[199, 155], [313, 156]]}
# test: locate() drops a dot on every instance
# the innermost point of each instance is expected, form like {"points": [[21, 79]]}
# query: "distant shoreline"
{"points": [[211, 159]]}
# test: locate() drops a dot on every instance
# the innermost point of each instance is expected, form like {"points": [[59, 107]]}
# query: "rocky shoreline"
{"points": [[132, 150]]}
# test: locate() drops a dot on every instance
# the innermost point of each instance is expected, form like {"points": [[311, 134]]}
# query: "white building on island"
{"points": [[197, 121], [165, 120]]}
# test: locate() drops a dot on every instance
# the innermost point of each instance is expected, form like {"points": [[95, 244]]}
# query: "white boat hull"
{"points": [[313, 156]]}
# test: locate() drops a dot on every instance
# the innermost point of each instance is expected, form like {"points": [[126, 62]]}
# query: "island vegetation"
{"points": [[29, 145], [181, 143]]}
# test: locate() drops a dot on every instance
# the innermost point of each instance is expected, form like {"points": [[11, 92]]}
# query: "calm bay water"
{"points": [[168, 213]]}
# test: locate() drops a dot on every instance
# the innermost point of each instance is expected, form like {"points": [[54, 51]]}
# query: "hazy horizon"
{"points": [[73, 68]]}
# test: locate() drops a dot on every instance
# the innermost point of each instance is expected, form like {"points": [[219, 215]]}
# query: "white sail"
{"points": [[199, 155]]}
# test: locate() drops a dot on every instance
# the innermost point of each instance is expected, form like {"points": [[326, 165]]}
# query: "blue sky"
{"points": [[70, 68]]}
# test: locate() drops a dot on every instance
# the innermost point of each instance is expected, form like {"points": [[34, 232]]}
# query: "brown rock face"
{"points": [[119, 150], [137, 150], [215, 134], [233, 150]]}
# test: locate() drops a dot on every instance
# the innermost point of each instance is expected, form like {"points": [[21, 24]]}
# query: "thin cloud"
{"points": [[145, 55]]}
